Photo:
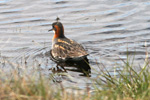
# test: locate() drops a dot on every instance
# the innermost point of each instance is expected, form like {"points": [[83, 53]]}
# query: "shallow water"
{"points": [[106, 28]]}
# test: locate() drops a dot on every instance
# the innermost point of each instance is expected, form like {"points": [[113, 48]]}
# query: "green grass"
{"points": [[130, 83]]}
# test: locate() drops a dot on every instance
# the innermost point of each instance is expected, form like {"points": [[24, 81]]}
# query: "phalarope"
{"points": [[64, 49]]}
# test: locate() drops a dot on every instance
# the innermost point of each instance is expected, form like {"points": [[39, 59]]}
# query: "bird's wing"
{"points": [[68, 49]]}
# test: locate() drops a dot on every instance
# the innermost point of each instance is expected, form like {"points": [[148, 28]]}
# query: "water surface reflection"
{"points": [[106, 29]]}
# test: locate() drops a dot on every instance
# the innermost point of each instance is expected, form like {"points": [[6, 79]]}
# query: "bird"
{"points": [[65, 49]]}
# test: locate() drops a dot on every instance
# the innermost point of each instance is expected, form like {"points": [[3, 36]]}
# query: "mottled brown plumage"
{"points": [[64, 48]]}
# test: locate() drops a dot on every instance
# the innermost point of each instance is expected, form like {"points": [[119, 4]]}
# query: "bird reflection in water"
{"points": [[82, 66]]}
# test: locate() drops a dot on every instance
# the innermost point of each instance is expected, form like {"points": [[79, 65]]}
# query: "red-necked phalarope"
{"points": [[64, 49]]}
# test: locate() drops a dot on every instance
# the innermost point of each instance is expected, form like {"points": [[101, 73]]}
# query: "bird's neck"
{"points": [[58, 34]]}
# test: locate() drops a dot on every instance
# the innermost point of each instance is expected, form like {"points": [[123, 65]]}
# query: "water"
{"points": [[106, 28]]}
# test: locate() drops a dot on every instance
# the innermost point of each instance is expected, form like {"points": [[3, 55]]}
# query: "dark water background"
{"points": [[106, 28]]}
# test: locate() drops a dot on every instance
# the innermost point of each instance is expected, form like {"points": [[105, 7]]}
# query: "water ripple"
{"points": [[106, 28]]}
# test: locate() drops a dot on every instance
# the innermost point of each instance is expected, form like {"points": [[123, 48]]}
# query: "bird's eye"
{"points": [[53, 27]]}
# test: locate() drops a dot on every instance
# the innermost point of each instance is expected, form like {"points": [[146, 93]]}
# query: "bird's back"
{"points": [[64, 48]]}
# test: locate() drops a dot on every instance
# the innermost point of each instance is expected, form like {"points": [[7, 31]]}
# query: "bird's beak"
{"points": [[50, 30]]}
